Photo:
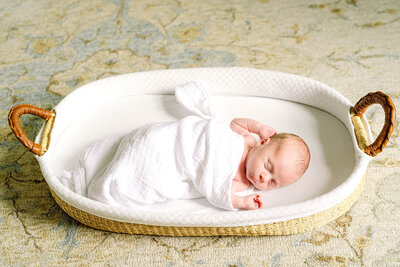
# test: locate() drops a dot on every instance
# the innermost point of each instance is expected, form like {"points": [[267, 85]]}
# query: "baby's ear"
{"points": [[265, 141]]}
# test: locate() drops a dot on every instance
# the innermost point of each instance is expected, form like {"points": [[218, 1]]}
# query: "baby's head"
{"points": [[277, 161]]}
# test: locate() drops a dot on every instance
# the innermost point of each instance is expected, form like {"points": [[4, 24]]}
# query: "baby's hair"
{"points": [[303, 153]]}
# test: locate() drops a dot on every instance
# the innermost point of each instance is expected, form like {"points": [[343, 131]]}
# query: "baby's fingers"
{"points": [[267, 131], [258, 201], [253, 202]]}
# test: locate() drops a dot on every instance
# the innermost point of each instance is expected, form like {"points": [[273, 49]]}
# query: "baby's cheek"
{"points": [[291, 181]]}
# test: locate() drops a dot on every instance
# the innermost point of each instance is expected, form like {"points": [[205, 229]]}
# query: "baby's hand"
{"points": [[266, 131], [253, 202]]}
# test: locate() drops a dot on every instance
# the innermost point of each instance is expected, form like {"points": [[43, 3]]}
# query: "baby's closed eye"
{"points": [[268, 166]]}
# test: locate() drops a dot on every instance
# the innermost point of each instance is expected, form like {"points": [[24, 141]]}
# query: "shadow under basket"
{"points": [[336, 132]]}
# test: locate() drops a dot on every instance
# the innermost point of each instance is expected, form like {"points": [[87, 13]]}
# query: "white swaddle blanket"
{"points": [[197, 156]]}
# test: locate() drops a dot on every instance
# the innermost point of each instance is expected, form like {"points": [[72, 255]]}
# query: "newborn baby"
{"points": [[194, 157], [276, 160]]}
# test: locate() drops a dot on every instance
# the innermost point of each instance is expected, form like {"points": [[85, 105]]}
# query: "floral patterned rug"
{"points": [[49, 48]]}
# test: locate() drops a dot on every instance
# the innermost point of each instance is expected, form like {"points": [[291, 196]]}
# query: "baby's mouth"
{"points": [[252, 180]]}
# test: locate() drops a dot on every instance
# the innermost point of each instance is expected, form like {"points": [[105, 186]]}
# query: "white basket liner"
{"points": [[233, 81]]}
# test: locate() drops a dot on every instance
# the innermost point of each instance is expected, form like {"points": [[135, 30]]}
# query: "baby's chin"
{"points": [[256, 185], [262, 188]]}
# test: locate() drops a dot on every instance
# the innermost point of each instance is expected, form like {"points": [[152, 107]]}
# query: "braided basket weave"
{"points": [[96, 220]]}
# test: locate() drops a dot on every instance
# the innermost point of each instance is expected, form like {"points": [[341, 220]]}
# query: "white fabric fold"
{"points": [[197, 156], [194, 97]]}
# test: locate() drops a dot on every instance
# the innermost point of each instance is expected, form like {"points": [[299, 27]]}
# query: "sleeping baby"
{"points": [[194, 157], [276, 160]]}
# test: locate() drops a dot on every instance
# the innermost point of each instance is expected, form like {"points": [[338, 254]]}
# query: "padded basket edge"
{"points": [[293, 226]]}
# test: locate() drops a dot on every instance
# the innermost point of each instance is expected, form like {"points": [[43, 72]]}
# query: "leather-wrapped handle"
{"points": [[390, 118], [13, 120]]}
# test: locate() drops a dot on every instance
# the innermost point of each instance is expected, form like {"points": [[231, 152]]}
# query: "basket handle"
{"points": [[390, 118], [13, 120]]}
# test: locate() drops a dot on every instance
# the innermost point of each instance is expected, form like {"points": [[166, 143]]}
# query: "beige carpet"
{"points": [[49, 48]]}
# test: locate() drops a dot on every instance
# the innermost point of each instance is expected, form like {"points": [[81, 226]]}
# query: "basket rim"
{"points": [[293, 226], [100, 209]]}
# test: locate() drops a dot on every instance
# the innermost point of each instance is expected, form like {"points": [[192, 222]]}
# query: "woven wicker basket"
{"points": [[292, 226]]}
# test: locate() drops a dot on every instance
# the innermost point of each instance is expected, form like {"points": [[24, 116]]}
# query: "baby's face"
{"points": [[270, 165]]}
